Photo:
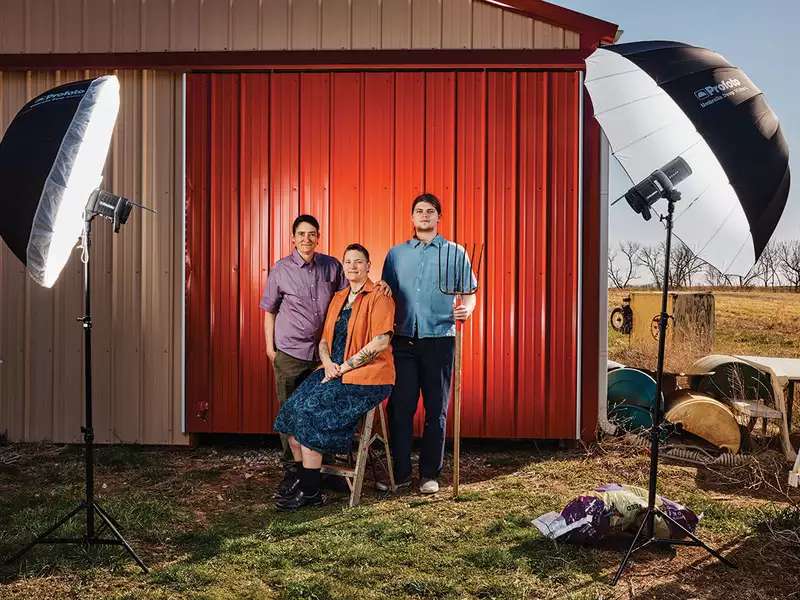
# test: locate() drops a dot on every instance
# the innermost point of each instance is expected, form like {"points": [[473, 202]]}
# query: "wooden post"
{"points": [[457, 416]]}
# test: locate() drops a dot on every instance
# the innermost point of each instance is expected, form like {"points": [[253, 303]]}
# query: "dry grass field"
{"points": [[752, 322]]}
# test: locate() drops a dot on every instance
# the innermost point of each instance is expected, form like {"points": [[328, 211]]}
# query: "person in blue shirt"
{"points": [[424, 338]]}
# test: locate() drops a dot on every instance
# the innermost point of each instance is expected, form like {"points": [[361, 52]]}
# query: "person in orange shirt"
{"points": [[357, 373]]}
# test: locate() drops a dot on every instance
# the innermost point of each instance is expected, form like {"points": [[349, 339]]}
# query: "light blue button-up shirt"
{"points": [[418, 273]]}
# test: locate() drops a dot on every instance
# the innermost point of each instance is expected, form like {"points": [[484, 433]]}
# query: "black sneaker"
{"points": [[299, 500], [290, 483], [385, 486]]}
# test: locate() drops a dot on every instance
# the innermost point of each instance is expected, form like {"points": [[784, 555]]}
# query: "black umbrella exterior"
{"points": [[656, 101], [51, 159]]}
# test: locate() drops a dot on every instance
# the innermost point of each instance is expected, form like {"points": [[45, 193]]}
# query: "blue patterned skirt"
{"points": [[323, 416]]}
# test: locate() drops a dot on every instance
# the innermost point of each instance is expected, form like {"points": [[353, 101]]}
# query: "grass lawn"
{"points": [[202, 518], [203, 521]]}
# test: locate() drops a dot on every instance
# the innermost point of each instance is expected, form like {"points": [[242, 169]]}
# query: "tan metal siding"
{"points": [[244, 25], [136, 289], [365, 25], [12, 33], [68, 15], [396, 24], [126, 30], [487, 26], [75, 26], [456, 23], [572, 39], [335, 24], [547, 36], [426, 24], [97, 35], [215, 25], [305, 25], [517, 31], [155, 19], [39, 26], [184, 25], [12, 300]]}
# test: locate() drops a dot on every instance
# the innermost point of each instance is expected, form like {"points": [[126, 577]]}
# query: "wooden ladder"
{"points": [[353, 467]]}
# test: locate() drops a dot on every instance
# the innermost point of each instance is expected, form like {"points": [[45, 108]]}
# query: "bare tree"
{"points": [[715, 277], [652, 259], [684, 266], [621, 271], [789, 262], [766, 269]]}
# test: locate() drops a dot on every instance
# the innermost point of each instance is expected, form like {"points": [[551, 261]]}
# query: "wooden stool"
{"points": [[352, 469]]}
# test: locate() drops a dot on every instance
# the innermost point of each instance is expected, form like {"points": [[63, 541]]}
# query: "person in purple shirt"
{"points": [[295, 302]]}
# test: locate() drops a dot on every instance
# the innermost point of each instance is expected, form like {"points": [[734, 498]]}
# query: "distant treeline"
{"points": [[633, 264]]}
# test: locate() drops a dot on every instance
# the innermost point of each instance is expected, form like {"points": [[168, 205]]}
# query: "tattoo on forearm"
{"points": [[324, 352], [362, 358], [367, 354]]}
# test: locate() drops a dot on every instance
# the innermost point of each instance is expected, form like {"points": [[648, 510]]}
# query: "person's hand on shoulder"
{"points": [[384, 288]]}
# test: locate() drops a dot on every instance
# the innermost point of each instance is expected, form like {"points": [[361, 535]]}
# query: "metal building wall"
{"points": [[499, 148], [138, 360], [76, 26], [136, 288]]}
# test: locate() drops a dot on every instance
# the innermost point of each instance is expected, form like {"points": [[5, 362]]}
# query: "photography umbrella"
{"points": [[51, 159], [656, 101], [677, 115], [51, 163]]}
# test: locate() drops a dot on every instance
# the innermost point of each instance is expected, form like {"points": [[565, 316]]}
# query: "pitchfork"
{"points": [[458, 281]]}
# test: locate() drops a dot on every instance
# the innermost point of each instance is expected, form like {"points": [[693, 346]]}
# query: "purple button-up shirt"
{"points": [[298, 293]]}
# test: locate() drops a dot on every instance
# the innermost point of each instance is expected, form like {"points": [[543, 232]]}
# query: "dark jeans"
{"points": [[422, 364], [289, 374]]}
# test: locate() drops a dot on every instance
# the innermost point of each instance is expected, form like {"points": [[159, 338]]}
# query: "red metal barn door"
{"points": [[499, 148]]}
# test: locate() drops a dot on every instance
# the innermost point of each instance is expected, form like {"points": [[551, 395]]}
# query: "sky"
{"points": [[761, 37]]}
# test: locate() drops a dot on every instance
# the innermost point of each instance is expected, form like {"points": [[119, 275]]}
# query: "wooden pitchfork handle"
{"points": [[457, 416]]}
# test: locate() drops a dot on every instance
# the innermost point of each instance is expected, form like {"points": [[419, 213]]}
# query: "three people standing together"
{"points": [[340, 343]]}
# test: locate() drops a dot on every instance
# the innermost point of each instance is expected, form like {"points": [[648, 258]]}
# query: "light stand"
{"points": [[662, 183], [91, 535]]}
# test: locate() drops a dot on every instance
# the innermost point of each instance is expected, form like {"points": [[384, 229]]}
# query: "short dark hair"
{"points": [[430, 199], [358, 247], [304, 219]]}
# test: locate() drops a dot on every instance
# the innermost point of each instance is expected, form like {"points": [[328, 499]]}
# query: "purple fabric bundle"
{"points": [[612, 509]]}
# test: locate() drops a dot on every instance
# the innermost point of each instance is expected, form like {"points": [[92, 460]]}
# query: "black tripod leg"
{"points": [[697, 540], [42, 536], [105, 517], [631, 549]]}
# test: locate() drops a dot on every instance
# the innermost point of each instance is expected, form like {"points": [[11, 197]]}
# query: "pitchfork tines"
{"points": [[456, 263]]}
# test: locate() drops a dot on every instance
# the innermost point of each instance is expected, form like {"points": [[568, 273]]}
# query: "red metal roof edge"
{"points": [[593, 31]]}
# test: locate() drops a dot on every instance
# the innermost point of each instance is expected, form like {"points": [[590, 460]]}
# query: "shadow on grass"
{"points": [[144, 520], [760, 572], [757, 482]]}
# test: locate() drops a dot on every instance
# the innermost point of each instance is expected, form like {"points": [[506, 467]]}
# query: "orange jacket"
{"points": [[373, 314]]}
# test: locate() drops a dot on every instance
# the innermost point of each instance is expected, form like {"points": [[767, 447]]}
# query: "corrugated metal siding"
{"points": [[75, 26], [499, 148], [136, 286]]}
